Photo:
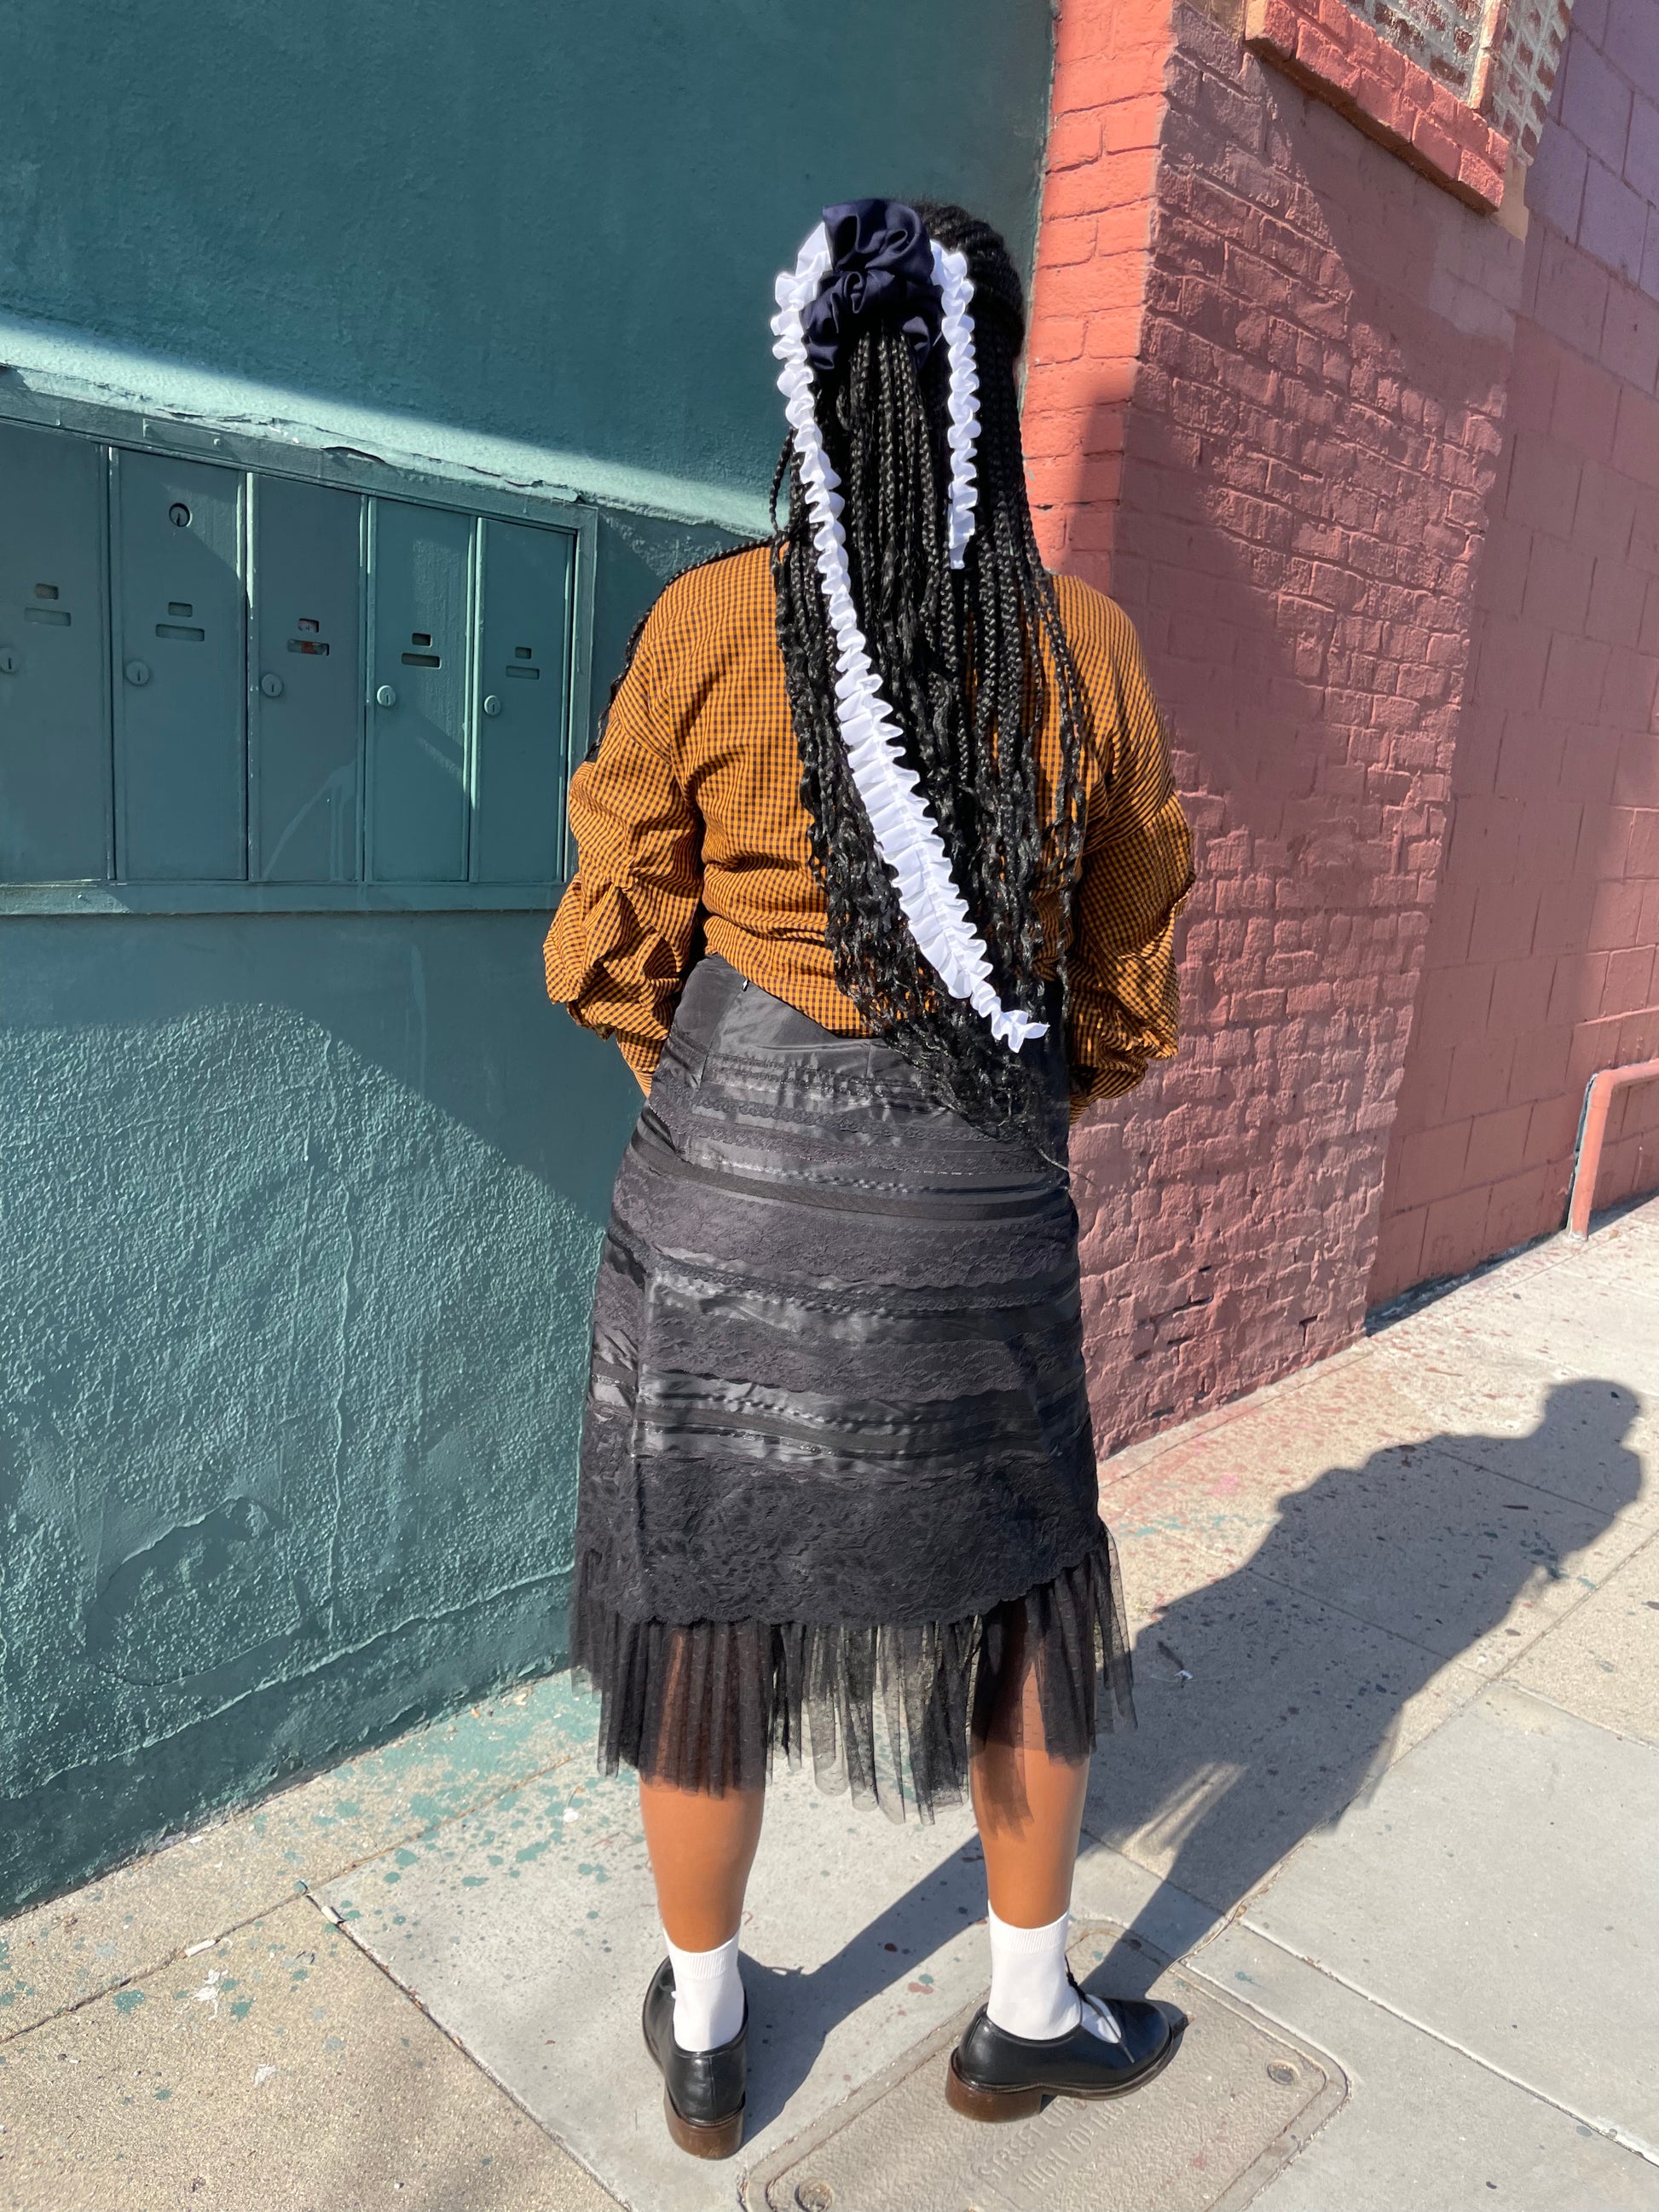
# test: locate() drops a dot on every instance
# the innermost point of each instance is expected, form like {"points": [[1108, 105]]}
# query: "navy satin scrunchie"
{"points": [[882, 265]]}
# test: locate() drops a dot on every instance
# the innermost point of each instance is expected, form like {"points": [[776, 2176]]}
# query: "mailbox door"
{"points": [[54, 663], [181, 742], [523, 697], [305, 687], [421, 580]]}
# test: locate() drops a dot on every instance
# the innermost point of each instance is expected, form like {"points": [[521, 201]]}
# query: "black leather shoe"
{"points": [[994, 2076], [703, 2091]]}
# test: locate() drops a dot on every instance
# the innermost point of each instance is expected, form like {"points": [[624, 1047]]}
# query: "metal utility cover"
{"points": [[304, 689], [418, 799], [54, 690], [181, 652], [524, 669], [1237, 2103]]}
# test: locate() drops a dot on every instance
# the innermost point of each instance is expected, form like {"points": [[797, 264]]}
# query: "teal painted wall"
{"points": [[557, 219], [299, 1214]]}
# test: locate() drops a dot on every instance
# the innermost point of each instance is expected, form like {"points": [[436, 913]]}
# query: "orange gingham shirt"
{"points": [[694, 802]]}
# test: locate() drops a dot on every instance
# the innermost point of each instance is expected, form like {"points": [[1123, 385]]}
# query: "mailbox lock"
{"points": [[492, 705], [137, 671], [178, 515], [7, 661], [271, 686], [386, 696]]}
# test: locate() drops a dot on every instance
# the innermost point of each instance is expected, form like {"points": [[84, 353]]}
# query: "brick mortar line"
{"points": [[1277, 503], [1189, 165], [1081, 73]]}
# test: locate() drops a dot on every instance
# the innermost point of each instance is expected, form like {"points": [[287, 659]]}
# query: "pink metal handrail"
{"points": [[1592, 1128]]}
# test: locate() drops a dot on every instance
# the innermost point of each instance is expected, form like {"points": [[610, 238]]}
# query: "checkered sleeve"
{"points": [[1137, 869], [615, 954]]}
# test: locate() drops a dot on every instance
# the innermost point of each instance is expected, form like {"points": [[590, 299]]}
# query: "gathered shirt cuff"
{"points": [[616, 955], [1123, 984], [1124, 1013]]}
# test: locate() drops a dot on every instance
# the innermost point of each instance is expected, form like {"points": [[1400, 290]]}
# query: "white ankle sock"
{"points": [[1030, 1994], [708, 1996]]}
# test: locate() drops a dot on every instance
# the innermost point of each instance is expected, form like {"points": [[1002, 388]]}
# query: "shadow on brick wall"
{"points": [[1307, 459], [1541, 961]]}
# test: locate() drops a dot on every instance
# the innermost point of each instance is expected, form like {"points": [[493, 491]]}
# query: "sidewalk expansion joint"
{"points": [[1567, 1712], [343, 1927], [1610, 2130], [272, 1903]]}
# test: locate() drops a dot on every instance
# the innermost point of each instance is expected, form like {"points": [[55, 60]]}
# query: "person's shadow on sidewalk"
{"points": [[1275, 1697]]}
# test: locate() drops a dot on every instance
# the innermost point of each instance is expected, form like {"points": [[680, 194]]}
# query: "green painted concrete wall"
{"points": [[557, 219], [299, 1214], [305, 1209]]}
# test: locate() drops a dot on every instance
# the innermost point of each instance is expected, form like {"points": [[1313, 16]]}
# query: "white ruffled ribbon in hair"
{"points": [[906, 836]]}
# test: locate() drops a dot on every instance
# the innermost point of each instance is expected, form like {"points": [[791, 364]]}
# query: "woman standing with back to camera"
{"points": [[879, 854]]}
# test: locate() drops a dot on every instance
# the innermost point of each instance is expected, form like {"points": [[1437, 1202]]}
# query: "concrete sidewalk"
{"points": [[1387, 1835]]}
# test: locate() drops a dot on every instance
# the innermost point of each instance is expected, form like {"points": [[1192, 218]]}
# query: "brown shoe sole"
{"points": [[704, 2138], [974, 2103]]}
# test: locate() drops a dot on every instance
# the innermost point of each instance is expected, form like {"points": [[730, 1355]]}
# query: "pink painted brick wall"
{"points": [[1328, 48], [1268, 378], [1107, 111], [1542, 964]]}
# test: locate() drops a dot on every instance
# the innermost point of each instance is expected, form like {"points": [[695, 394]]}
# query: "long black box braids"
{"points": [[960, 655]]}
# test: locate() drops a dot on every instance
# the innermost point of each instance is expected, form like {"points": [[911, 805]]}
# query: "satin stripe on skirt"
{"points": [[837, 1469]]}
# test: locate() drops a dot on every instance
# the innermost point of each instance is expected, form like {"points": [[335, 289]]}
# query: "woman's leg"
{"points": [[701, 1848], [701, 1844], [1029, 1806], [1037, 2035]]}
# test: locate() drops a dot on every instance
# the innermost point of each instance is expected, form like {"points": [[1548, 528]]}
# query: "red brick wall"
{"points": [[1107, 111], [1328, 49], [1542, 964], [1264, 410]]}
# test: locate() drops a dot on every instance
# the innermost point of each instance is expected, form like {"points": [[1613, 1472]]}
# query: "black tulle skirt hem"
{"points": [[890, 1714]]}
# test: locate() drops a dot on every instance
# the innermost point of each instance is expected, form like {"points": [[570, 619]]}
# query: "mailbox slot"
{"points": [[305, 689], [420, 588], [180, 729], [54, 658], [225, 687], [523, 660]]}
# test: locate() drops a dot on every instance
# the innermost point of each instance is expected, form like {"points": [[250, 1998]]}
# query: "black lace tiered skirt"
{"points": [[838, 1471]]}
